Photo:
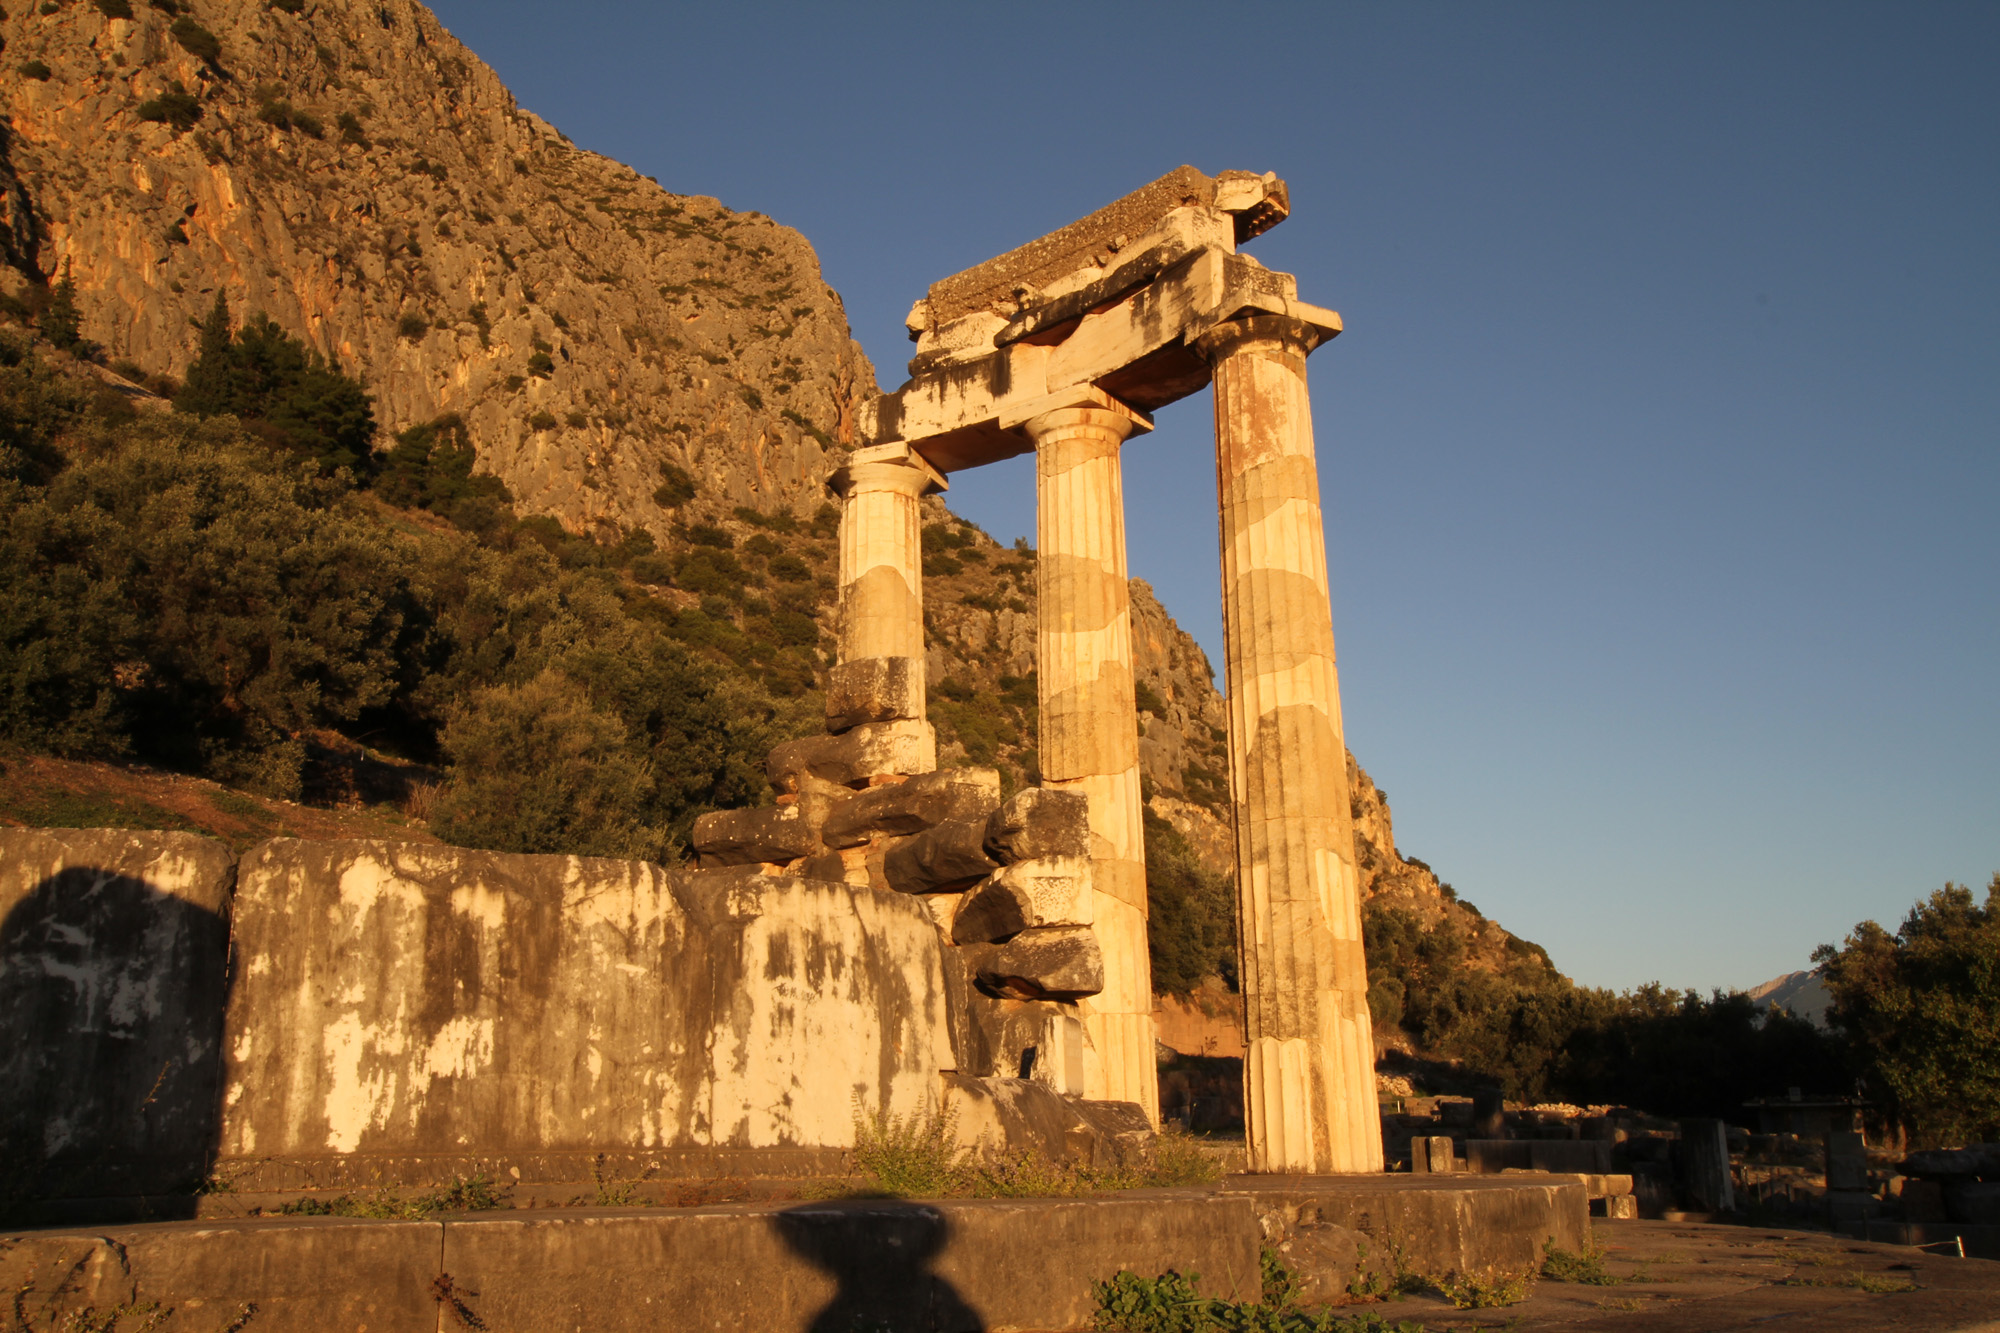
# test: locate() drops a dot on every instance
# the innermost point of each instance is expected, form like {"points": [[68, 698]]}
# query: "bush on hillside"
{"points": [[196, 40], [176, 107], [1191, 932], [287, 394], [1517, 1022], [182, 593], [538, 767]]}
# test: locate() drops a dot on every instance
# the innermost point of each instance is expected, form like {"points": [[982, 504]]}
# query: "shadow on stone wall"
{"points": [[880, 1255], [111, 1009]]}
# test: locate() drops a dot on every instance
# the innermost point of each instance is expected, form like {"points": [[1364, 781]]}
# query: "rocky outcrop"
{"points": [[355, 172]]}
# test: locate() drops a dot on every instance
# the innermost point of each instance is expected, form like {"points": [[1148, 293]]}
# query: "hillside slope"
{"points": [[355, 172]]}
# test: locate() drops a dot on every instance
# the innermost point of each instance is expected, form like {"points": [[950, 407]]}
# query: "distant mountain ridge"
{"points": [[1800, 994]]}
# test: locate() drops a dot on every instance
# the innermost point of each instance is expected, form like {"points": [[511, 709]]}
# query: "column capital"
{"points": [[892, 466], [1097, 412], [1282, 334]]}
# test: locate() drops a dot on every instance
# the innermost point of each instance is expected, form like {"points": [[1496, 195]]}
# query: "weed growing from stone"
{"points": [[616, 1192], [1172, 1303], [1587, 1268], [1483, 1291], [918, 1157], [465, 1194], [1879, 1284]]}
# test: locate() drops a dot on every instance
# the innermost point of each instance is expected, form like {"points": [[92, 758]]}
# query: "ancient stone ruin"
{"points": [[1062, 347], [886, 940]]}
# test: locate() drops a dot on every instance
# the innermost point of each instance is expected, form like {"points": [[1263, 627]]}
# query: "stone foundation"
{"points": [[954, 1266]]}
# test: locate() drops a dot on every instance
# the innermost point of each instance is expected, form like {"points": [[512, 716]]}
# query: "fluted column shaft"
{"points": [[1309, 1072], [880, 674], [1089, 730], [881, 563]]}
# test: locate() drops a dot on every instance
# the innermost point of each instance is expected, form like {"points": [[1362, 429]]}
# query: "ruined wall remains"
{"points": [[401, 999], [392, 1002]]}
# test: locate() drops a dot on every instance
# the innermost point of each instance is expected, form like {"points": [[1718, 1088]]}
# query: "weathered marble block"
{"points": [[904, 808], [1052, 963], [950, 856], [407, 999], [873, 750], [1039, 822], [1047, 891], [769, 834]]}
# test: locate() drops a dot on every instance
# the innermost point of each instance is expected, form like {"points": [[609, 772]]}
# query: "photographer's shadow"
{"points": [[879, 1252]]}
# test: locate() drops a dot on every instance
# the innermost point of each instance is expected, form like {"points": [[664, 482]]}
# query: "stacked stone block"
{"points": [[1008, 883]]}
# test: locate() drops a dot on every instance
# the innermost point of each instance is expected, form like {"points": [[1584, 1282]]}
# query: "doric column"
{"points": [[880, 675], [1309, 1074], [1089, 730]]}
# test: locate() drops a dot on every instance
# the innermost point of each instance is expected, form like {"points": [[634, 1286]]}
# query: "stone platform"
{"points": [[954, 1266]]}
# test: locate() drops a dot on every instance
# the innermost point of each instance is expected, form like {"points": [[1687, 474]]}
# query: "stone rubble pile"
{"points": [[1008, 882]]}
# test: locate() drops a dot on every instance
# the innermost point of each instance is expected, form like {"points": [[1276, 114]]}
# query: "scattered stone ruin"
{"points": [[1062, 347]]}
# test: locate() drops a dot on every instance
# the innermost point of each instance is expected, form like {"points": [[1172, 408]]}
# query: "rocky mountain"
{"points": [[353, 171]]}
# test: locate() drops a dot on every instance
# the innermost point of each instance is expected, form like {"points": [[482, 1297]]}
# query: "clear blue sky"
{"points": [[1661, 455]]}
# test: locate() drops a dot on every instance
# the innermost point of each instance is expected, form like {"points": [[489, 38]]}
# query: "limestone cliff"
{"points": [[355, 172]]}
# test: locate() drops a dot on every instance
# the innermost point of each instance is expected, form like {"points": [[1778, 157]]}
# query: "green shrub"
{"points": [[541, 365], [654, 569], [1921, 1009], [1587, 1268], [712, 572], [181, 597], [913, 1158], [539, 767], [1173, 1303], [707, 534], [412, 326], [1191, 929], [1148, 699], [352, 132], [542, 421], [62, 321], [114, 9], [196, 40], [176, 107], [288, 394], [1483, 1291], [431, 467], [676, 487], [36, 70], [788, 568], [289, 6]]}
